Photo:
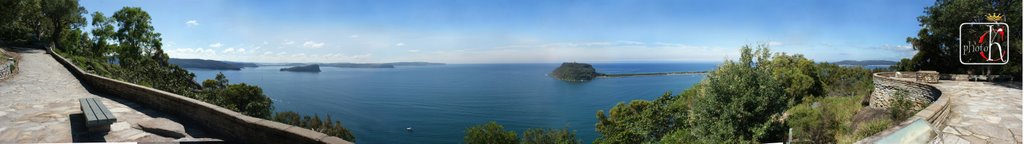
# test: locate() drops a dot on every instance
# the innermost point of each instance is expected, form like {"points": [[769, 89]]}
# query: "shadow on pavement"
{"points": [[79, 133], [1013, 85]]}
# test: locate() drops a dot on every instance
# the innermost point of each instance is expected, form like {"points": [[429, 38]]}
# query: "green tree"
{"points": [[638, 121], [244, 98], [490, 133], [796, 75], [63, 15], [937, 42], [904, 64], [21, 21], [102, 32], [135, 35], [740, 100]]}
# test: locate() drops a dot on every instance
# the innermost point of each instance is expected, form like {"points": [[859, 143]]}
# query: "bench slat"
{"points": [[96, 110], [106, 112], [87, 110]]}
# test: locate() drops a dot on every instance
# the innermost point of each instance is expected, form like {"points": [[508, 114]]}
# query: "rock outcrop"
{"points": [[163, 127]]}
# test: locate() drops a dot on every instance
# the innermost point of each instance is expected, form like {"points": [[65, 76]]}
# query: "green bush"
{"points": [[549, 136], [326, 125], [901, 107], [490, 133], [743, 102], [811, 121], [494, 133]]}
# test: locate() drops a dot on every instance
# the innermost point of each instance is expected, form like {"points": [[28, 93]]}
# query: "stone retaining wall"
{"points": [[7, 69], [8, 66], [887, 85], [234, 126], [935, 113]]}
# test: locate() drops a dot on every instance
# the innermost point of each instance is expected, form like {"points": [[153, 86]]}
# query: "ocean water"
{"points": [[439, 102]]}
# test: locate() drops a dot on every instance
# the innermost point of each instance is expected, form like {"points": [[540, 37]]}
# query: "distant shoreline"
{"points": [[651, 74]]}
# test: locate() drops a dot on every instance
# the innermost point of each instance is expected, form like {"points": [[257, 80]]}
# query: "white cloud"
{"points": [[216, 45], [774, 43], [906, 47], [599, 51], [288, 42], [192, 23], [311, 44], [191, 53], [613, 51]]}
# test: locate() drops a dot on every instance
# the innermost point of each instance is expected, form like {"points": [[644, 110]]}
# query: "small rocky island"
{"points": [[305, 68], [572, 71]]}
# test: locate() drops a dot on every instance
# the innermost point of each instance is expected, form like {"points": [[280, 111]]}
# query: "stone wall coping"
{"points": [[250, 127], [936, 113]]}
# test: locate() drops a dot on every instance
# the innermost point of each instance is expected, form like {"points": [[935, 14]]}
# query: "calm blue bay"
{"points": [[439, 102]]}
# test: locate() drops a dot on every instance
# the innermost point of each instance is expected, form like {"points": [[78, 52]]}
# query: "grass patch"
{"points": [[826, 119], [872, 127]]}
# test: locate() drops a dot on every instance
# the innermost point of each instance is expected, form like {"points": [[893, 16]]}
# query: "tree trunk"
{"points": [[55, 37]]}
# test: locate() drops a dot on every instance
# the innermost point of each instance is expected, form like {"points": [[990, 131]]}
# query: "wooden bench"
{"points": [[97, 116]]}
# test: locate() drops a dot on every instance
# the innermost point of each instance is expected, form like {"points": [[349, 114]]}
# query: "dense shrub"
{"points": [[901, 107], [744, 101], [490, 133], [326, 125], [494, 133]]}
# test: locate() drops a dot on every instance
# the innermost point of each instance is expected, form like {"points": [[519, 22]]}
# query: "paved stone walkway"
{"points": [[982, 112], [40, 104]]}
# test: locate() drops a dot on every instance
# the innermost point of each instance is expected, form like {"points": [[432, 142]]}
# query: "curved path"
{"points": [[40, 104], [982, 112]]}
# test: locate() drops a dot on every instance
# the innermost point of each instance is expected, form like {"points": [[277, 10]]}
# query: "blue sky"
{"points": [[523, 31]]}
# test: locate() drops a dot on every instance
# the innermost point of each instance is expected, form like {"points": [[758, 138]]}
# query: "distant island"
{"points": [[209, 64], [305, 68], [572, 71], [865, 62]]}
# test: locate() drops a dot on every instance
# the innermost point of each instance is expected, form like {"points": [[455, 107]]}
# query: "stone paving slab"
{"points": [[40, 104], [982, 112]]}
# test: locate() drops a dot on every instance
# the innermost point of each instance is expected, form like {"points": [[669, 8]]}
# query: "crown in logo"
{"points": [[993, 17]]}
